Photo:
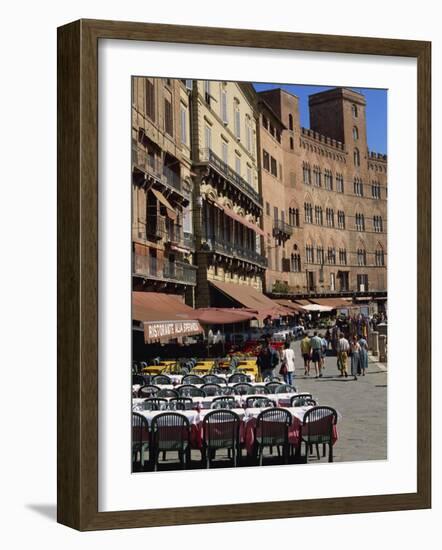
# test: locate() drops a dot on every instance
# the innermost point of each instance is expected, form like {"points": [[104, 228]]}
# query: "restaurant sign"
{"points": [[169, 330]]}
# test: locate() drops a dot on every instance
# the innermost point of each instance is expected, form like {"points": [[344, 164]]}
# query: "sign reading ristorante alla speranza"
{"points": [[168, 330]]}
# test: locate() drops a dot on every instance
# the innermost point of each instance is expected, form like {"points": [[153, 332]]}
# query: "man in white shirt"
{"points": [[288, 361], [343, 348]]}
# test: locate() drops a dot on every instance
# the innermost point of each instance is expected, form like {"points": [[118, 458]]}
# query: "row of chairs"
{"points": [[223, 402], [188, 390], [163, 379], [170, 431]]}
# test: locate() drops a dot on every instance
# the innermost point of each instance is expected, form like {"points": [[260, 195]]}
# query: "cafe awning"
{"points": [[252, 299], [169, 208], [164, 316], [318, 308], [332, 302], [223, 316], [290, 305]]}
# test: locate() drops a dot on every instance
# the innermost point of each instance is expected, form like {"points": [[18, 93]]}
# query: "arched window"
{"points": [[355, 133], [356, 157], [354, 110], [290, 121]]}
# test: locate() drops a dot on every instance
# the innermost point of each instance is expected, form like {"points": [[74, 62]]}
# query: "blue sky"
{"points": [[376, 110]]}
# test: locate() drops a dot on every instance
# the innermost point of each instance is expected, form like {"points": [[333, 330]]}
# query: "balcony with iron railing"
{"points": [[151, 268], [209, 157], [158, 228], [152, 165], [282, 229], [235, 251]]}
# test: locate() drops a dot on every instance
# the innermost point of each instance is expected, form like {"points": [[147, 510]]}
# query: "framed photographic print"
{"points": [[243, 275]]}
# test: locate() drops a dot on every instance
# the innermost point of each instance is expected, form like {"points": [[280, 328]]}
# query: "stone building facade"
{"points": [[162, 233], [335, 197], [228, 187], [227, 202]]}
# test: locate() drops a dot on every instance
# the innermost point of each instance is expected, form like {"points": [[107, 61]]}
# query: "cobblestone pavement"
{"points": [[363, 405]]}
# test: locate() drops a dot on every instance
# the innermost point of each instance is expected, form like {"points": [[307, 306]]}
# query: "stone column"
{"points": [[382, 348], [375, 343]]}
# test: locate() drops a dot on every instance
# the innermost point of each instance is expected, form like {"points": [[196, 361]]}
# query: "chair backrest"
{"points": [[259, 401], [302, 401], [318, 424], [258, 390], [221, 429], [213, 379], [170, 431], [153, 404], [161, 379], [167, 393], [242, 388], [192, 379], [272, 426], [190, 391], [238, 377], [271, 386], [181, 403], [227, 390], [148, 390], [212, 389], [285, 388], [140, 429], [224, 402]]}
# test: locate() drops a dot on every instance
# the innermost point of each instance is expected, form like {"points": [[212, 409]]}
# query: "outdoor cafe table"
{"points": [[248, 419]]}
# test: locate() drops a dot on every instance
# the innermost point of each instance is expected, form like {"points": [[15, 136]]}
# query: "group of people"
{"points": [[357, 351], [314, 350]]}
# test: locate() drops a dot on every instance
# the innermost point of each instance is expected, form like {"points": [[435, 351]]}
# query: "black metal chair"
{"points": [[271, 386], [190, 391], [221, 431], [140, 440], [272, 429], [148, 391], [317, 427], [213, 379], [238, 377], [224, 402], [242, 388], [285, 388], [181, 403], [192, 379], [212, 389], [161, 379], [153, 404], [170, 432], [258, 390], [227, 390], [302, 401], [258, 401], [167, 393]]}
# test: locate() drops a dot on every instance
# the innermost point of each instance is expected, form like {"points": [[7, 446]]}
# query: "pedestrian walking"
{"points": [[316, 346], [363, 355], [288, 363], [355, 348], [343, 349], [267, 360], [306, 353]]}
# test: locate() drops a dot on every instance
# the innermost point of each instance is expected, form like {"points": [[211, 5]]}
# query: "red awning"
{"points": [[164, 316], [223, 316], [252, 299], [332, 302]]}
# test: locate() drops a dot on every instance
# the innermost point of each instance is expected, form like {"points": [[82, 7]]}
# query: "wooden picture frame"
{"points": [[77, 461]]}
